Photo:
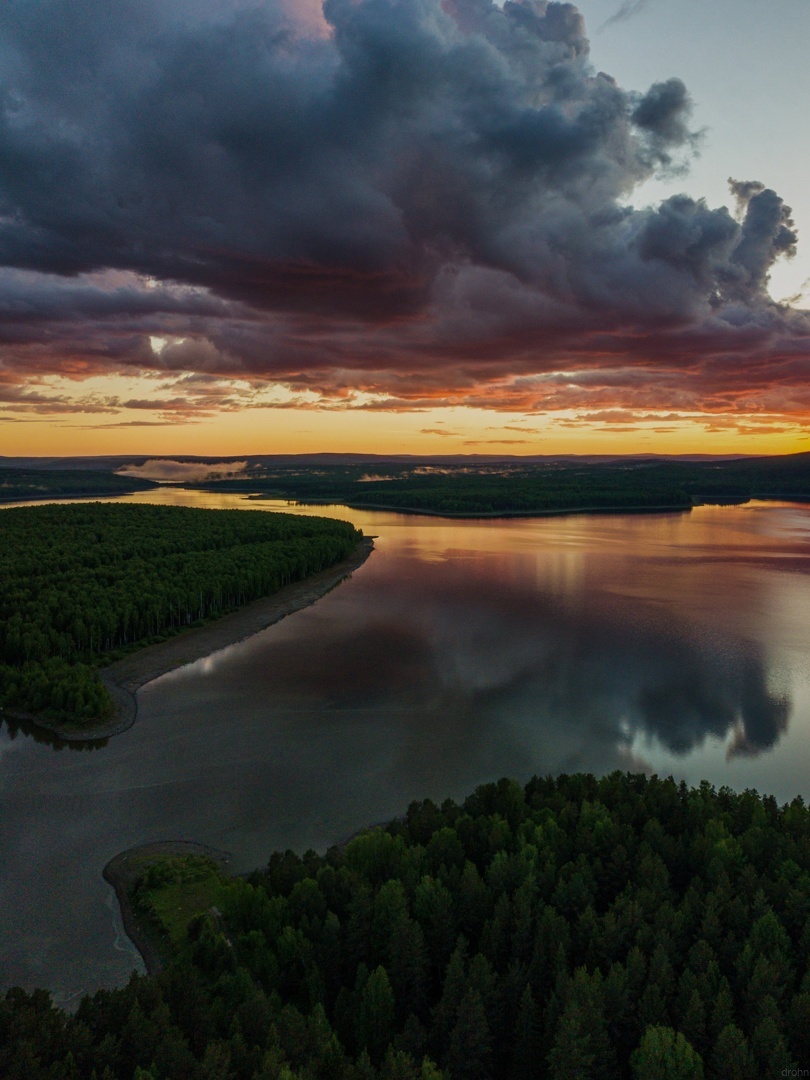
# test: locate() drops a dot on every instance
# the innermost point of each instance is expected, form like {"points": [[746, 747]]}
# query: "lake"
{"points": [[460, 652]]}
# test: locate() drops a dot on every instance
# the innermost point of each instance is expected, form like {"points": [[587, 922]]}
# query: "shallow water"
{"points": [[459, 652]]}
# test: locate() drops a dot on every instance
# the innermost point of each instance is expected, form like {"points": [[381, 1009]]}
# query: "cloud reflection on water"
{"points": [[465, 661], [460, 652]]}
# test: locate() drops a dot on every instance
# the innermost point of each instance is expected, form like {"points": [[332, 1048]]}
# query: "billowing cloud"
{"points": [[402, 204]]}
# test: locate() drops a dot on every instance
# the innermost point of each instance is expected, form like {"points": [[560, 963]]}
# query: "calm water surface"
{"points": [[460, 652]]}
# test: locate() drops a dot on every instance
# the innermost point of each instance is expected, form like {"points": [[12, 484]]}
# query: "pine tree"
{"points": [[731, 1058], [693, 1021], [770, 1052], [723, 1011], [581, 1047], [445, 1013], [468, 1056], [526, 1053], [665, 1055], [409, 967], [375, 1020]]}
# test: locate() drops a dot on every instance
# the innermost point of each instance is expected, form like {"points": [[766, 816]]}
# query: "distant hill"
{"points": [[113, 462]]}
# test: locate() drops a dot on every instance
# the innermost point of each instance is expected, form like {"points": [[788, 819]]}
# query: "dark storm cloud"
{"points": [[663, 113], [424, 198], [29, 298]]}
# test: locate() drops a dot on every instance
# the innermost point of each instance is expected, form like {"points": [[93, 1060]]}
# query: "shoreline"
{"points": [[124, 870], [125, 677], [488, 514], [57, 497]]}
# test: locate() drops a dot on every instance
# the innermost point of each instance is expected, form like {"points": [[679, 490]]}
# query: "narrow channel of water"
{"points": [[460, 652]]}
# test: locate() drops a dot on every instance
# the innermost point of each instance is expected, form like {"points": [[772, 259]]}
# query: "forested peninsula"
{"points": [[82, 584], [17, 485], [625, 927], [529, 488]]}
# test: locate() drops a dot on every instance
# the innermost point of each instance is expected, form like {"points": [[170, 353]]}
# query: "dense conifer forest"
{"points": [[80, 583], [457, 493], [18, 484], [516, 487], [470, 487], [574, 929]]}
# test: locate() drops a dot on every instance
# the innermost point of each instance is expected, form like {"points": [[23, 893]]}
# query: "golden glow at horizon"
{"points": [[259, 429]]}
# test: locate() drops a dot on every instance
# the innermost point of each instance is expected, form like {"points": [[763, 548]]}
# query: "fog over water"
{"points": [[461, 651]]}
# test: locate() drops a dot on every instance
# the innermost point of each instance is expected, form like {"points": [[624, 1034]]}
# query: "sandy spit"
{"points": [[125, 677]]}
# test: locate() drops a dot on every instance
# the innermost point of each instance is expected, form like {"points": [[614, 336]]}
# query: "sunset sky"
{"points": [[405, 226]]}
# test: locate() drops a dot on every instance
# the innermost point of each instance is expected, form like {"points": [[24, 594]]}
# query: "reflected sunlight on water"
{"points": [[459, 652]]}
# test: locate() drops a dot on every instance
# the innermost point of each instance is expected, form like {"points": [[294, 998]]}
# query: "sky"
{"points": [[404, 226]]}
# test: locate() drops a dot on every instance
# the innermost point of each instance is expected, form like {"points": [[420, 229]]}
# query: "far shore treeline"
{"points": [[571, 929], [513, 486], [80, 583], [19, 484], [452, 486]]}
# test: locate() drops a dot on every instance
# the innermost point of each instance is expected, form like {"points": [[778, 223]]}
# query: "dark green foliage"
{"points": [[731, 1058], [18, 484], [666, 1055], [82, 581], [375, 1015], [526, 1046], [470, 491], [532, 487], [577, 928]]}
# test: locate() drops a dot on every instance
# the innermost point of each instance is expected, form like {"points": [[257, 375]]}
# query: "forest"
{"points": [[17, 484], [469, 487], [536, 487], [572, 929], [81, 583]]}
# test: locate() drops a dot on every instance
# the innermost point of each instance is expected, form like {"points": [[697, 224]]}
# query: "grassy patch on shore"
{"points": [[172, 891], [620, 928]]}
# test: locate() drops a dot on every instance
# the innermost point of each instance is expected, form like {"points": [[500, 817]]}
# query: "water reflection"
{"points": [[457, 654], [496, 656], [15, 726]]}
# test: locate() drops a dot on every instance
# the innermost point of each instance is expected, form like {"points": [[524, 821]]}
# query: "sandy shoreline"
{"points": [[123, 871], [125, 677]]}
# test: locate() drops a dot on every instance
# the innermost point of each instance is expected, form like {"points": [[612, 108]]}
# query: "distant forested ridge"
{"points": [[469, 487], [515, 487], [17, 484], [574, 929], [80, 582]]}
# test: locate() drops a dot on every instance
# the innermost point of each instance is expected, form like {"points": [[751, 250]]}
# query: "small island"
{"points": [[83, 585]]}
